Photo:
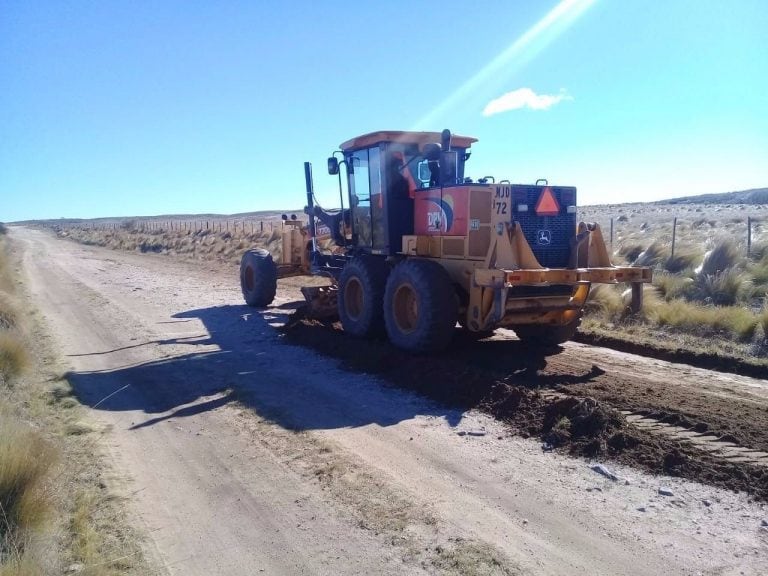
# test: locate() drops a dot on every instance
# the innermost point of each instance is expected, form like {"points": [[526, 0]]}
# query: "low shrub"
{"points": [[13, 357], [630, 252], [724, 288], [671, 286], [8, 314], [724, 255], [651, 299], [762, 319], [759, 271], [25, 459], [684, 258], [651, 256], [604, 301], [735, 321]]}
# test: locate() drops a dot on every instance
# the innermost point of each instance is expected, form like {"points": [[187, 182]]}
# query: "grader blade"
{"points": [[321, 301]]}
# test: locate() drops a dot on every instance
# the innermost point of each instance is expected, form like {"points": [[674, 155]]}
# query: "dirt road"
{"points": [[248, 455]]}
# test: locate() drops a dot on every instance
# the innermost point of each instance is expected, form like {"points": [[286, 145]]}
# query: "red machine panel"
{"points": [[442, 212]]}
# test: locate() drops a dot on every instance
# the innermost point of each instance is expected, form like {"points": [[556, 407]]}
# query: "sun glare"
{"points": [[520, 52]]}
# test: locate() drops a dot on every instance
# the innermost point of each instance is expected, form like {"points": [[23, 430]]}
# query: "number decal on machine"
{"points": [[501, 200]]}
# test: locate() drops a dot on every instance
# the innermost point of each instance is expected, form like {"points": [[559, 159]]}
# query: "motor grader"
{"points": [[421, 247]]}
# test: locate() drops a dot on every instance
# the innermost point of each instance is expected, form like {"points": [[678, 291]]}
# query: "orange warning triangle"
{"points": [[547, 204]]}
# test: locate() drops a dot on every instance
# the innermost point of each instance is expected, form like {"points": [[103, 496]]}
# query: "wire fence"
{"points": [[615, 225], [747, 234], [162, 226]]}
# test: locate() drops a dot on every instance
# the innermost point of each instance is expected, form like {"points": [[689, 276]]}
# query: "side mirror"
{"points": [[424, 173], [333, 166]]}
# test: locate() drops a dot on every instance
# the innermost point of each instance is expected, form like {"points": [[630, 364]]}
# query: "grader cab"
{"points": [[422, 247]]}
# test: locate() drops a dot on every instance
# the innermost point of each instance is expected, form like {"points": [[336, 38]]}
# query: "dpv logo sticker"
{"points": [[440, 214]]}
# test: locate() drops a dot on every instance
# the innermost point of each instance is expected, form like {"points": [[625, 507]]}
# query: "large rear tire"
{"points": [[546, 334], [420, 306], [361, 294], [258, 278]]}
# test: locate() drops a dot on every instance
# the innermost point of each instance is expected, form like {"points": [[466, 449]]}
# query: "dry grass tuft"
{"points": [[87, 541], [653, 255], [684, 258], [724, 288], [630, 251], [605, 301], [25, 459], [8, 314], [671, 286], [13, 357], [759, 272], [733, 321], [723, 256], [762, 320], [651, 299]]}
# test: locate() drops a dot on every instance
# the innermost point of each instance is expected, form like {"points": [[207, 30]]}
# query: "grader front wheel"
{"points": [[420, 308], [258, 278]]}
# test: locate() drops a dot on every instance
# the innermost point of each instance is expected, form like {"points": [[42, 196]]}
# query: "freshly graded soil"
{"points": [[570, 402]]}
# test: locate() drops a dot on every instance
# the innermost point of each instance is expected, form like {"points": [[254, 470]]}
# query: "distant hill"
{"points": [[753, 196]]}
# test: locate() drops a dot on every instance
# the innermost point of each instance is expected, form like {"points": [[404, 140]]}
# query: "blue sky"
{"points": [[141, 108]]}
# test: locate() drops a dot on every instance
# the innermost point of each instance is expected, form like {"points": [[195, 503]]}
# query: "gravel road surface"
{"points": [[247, 455]]}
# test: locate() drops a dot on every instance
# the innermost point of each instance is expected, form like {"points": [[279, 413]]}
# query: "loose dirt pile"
{"points": [[570, 408]]}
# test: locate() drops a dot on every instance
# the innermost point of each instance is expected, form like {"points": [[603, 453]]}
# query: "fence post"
{"points": [[611, 233], [749, 236], [674, 234]]}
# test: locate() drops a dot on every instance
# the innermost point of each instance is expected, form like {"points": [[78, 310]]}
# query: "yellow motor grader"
{"points": [[422, 247]]}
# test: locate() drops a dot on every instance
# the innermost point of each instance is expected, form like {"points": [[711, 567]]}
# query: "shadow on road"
{"points": [[253, 365], [294, 386]]}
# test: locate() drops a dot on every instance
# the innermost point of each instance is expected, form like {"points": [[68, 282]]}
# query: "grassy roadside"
{"points": [[58, 513], [206, 244], [706, 309]]}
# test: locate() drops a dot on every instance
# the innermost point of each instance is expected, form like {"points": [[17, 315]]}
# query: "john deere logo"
{"points": [[544, 237]]}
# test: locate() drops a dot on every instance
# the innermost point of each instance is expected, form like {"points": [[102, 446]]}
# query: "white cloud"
{"points": [[523, 98]]}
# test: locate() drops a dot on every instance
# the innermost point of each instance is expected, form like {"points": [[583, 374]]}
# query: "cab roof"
{"points": [[420, 138]]}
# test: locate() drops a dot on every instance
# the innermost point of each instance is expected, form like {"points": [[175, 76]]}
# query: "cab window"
{"points": [[366, 199]]}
